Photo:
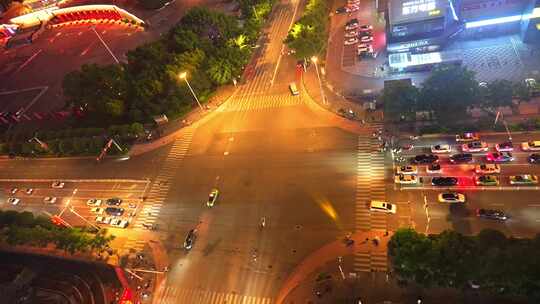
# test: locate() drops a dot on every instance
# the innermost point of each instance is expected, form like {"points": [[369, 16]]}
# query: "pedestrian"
{"points": [[386, 233]]}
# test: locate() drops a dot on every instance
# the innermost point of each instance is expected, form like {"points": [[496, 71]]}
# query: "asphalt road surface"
{"points": [[519, 202]]}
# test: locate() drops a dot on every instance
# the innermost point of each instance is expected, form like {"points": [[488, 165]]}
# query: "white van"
{"points": [[385, 207], [294, 90]]}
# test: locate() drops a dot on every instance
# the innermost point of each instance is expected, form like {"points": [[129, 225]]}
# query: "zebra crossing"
{"points": [[151, 207], [174, 295], [134, 244], [370, 184], [262, 102], [368, 261]]}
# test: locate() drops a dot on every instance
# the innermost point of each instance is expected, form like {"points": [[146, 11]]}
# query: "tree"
{"points": [[220, 71], [521, 91], [400, 100], [308, 36], [499, 94], [449, 90]]}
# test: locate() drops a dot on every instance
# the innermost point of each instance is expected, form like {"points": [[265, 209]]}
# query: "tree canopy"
{"points": [[400, 100], [211, 47], [491, 260], [308, 36]]}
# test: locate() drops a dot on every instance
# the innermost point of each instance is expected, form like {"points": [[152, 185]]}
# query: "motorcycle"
{"points": [[263, 222]]}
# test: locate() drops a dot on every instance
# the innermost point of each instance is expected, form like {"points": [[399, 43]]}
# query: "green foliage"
{"points": [[490, 259], [400, 100], [22, 228], [499, 93], [450, 89], [211, 47], [308, 36]]}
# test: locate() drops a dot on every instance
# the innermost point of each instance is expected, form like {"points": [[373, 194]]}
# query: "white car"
{"points": [[29, 191], [13, 200], [103, 220], [351, 34], [407, 169], [58, 185], [365, 45], [475, 146], [49, 200], [385, 207], [351, 26], [487, 169], [93, 202], [405, 179], [365, 51], [351, 41], [531, 145], [354, 8], [366, 27], [441, 149], [119, 223], [467, 136], [366, 39], [14, 190], [97, 210], [451, 197]]}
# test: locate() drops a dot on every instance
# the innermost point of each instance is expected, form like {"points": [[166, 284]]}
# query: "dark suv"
{"points": [[115, 201], [444, 181], [114, 211], [425, 159], [461, 158]]}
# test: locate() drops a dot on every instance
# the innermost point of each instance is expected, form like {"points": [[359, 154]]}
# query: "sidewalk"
{"points": [[334, 101], [330, 252], [173, 129]]}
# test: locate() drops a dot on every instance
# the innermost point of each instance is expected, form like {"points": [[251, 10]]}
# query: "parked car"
{"points": [[366, 27], [492, 214], [93, 202], [29, 191], [467, 136], [366, 38], [487, 180], [97, 210], [475, 146], [523, 179], [407, 169], [434, 168], [425, 159], [405, 179], [114, 211], [14, 190], [533, 145], [499, 157], [487, 169], [461, 158], [115, 201], [506, 146], [441, 148], [119, 223], [351, 34], [444, 181], [351, 41]]}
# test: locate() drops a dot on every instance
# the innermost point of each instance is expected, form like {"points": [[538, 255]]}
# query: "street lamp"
{"points": [[183, 75], [314, 59]]}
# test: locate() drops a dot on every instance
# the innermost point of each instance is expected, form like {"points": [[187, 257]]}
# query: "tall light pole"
{"points": [[93, 27], [183, 75], [314, 59]]}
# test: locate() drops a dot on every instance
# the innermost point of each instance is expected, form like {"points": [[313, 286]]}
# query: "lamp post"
{"points": [[183, 75], [93, 27], [314, 59]]}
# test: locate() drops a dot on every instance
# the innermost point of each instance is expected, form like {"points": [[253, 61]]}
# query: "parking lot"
{"points": [[77, 202]]}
